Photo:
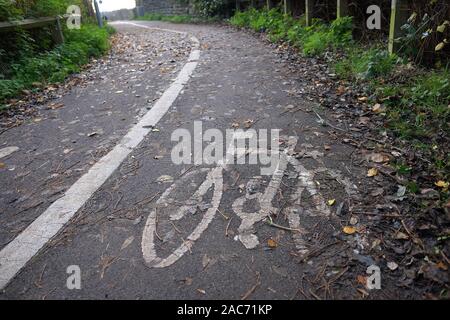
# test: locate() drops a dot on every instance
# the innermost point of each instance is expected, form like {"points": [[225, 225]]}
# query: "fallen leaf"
{"points": [[187, 281], [377, 108], [440, 46], [248, 123], [364, 120], [375, 243], [401, 236], [7, 151], [377, 192], [441, 265], [272, 243], [206, 261], [361, 280], [378, 157], [331, 202], [340, 91], [401, 191], [349, 230], [442, 184], [392, 265], [372, 172], [54, 106], [363, 99], [127, 242], [201, 291], [165, 178]]}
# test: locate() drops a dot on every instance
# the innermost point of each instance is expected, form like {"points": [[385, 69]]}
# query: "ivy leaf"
{"points": [[440, 46]]}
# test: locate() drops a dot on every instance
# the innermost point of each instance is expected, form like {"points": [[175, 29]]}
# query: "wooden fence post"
{"points": [[309, 5], [399, 16], [57, 34], [287, 6], [342, 8]]}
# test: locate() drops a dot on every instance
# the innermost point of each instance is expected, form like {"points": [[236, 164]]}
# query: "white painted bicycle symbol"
{"points": [[213, 184]]}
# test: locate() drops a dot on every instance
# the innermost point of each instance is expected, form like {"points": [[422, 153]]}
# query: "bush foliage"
{"points": [[417, 109], [54, 65]]}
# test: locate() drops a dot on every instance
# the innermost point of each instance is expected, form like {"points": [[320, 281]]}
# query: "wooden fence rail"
{"points": [[57, 34], [399, 14]]}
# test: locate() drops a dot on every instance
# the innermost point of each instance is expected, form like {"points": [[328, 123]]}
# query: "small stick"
{"points": [[226, 217], [186, 171], [272, 224], [327, 123], [228, 226], [252, 289]]}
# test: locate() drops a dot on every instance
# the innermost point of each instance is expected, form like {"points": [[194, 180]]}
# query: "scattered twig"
{"points": [[228, 226], [252, 289], [324, 122], [272, 224]]}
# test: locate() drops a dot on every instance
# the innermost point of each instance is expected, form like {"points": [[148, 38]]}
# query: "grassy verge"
{"points": [[34, 69], [413, 102], [175, 18]]}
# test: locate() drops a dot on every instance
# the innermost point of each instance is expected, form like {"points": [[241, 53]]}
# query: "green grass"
{"points": [[365, 64], [314, 40], [419, 109], [175, 18], [55, 65]]}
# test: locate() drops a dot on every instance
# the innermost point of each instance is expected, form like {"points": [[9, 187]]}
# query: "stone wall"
{"points": [[123, 14], [167, 7]]}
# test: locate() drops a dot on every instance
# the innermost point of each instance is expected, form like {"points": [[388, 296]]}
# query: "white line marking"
{"points": [[27, 244]]}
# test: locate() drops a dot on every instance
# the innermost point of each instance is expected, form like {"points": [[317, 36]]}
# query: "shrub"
{"points": [[210, 8], [55, 65], [314, 39], [419, 108], [8, 11], [319, 38]]}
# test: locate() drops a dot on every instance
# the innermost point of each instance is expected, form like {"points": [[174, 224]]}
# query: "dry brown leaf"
{"points": [[201, 291], [377, 108], [442, 184], [378, 157], [372, 172], [349, 230], [272, 243], [340, 91], [401, 236], [361, 280], [363, 99]]}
